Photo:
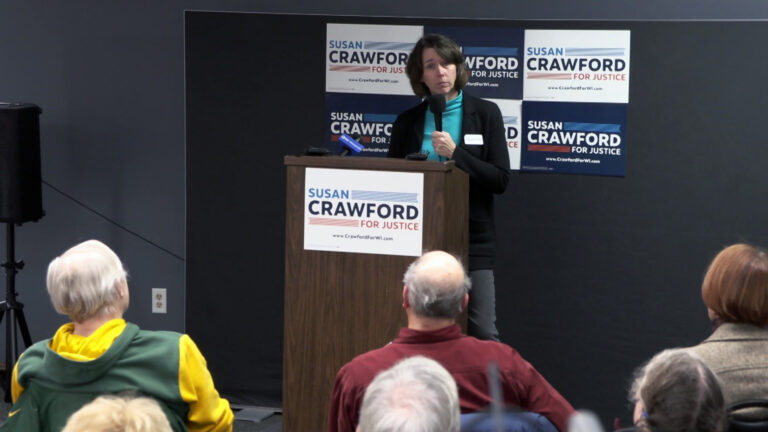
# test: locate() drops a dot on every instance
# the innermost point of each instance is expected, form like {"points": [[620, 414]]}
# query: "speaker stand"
{"points": [[13, 311]]}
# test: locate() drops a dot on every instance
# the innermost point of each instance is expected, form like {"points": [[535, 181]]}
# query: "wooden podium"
{"points": [[338, 304]]}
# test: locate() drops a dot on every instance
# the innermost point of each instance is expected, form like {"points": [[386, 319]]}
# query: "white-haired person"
{"points": [[100, 353], [677, 392], [435, 292], [414, 395], [119, 414]]}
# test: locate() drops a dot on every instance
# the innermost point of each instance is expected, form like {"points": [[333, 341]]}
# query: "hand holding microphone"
{"points": [[443, 144], [437, 106], [441, 141]]}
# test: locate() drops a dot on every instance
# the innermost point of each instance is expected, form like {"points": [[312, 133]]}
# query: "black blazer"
{"points": [[486, 164]]}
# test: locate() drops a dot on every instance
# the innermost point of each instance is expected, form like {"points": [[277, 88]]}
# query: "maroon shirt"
{"points": [[466, 358]]}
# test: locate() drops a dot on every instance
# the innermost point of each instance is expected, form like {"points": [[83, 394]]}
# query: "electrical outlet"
{"points": [[159, 300]]}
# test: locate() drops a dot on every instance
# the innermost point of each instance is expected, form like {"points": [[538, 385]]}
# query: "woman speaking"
{"points": [[472, 135]]}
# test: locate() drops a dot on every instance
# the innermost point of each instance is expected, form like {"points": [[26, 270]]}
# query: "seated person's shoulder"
{"points": [[498, 352]]}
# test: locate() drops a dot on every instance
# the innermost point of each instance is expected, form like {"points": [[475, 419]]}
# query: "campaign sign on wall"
{"points": [[363, 58], [494, 57], [377, 212], [510, 112], [577, 66], [577, 138], [367, 118]]}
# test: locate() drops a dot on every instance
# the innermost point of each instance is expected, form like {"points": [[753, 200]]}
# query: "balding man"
{"points": [[435, 292]]}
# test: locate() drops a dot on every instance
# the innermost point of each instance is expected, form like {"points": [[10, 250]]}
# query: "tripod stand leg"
{"points": [[15, 314], [23, 328], [9, 359], [12, 345]]}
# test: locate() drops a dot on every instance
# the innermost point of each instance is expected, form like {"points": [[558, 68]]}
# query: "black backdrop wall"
{"points": [[594, 274], [109, 77]]}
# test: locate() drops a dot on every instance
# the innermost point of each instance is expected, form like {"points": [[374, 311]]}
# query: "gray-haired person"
{"points": [[435, 291], [414, 395], [100, 353], [676, 392]]}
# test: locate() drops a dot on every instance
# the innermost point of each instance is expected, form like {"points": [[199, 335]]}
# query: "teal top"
{"points": [[451, 124]]}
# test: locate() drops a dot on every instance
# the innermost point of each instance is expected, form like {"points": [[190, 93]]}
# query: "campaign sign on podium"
{"points": [[375, 212]]}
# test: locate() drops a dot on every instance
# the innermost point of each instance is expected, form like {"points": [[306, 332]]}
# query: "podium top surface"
{"points": [[371, 163]]}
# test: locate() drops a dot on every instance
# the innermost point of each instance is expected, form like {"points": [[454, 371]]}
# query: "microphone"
{"points": [[494, 385], [316, 151], [437, 105], [417, 156], [349, 145]]}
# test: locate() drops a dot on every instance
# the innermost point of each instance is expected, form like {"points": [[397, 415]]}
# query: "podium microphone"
{"points": [[437, 106], [349, 145]]}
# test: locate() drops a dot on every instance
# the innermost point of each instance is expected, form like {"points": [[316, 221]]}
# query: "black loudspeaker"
{"points": [[21, 196]]}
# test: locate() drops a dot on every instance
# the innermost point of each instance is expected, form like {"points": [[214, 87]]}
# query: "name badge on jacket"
{"points": [[473, 139]]}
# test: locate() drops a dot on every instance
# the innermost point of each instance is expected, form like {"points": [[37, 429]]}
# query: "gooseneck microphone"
{"points": [[437, 105], [349, 145]]}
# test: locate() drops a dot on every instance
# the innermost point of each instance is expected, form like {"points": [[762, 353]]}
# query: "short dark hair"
{"points": [[448, 50]]}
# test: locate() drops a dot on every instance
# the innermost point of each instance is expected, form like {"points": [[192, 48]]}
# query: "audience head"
{"points": [[448, 50], [584, 421], [117, 414], [415, 395], [88, 281], [676, 392], [437, 285], [735, 288]]}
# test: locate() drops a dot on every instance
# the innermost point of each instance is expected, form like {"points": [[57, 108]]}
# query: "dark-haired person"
{"points": [[735, 291], [676, 392], [473, 137]]}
